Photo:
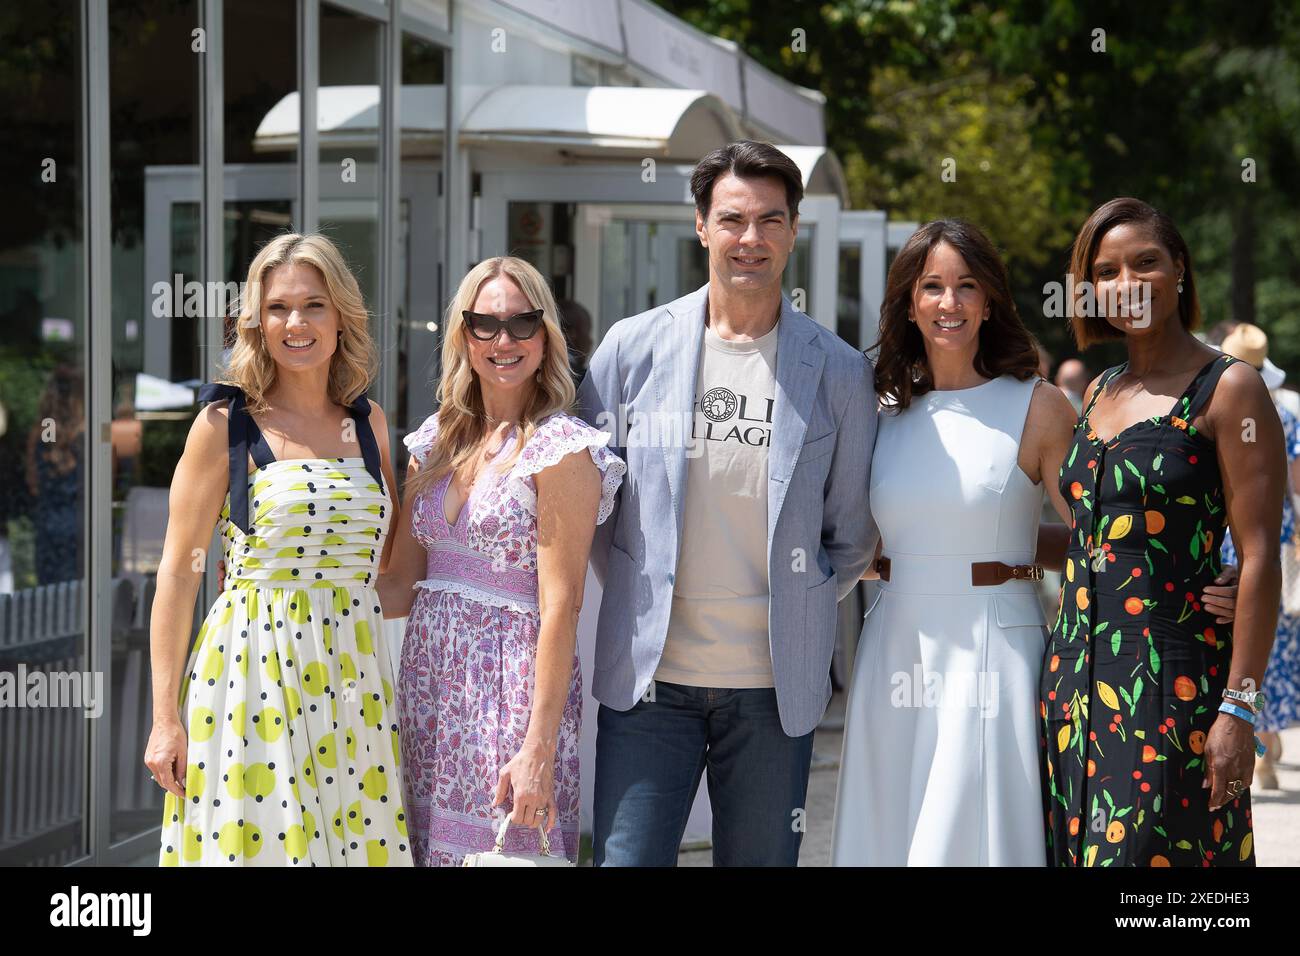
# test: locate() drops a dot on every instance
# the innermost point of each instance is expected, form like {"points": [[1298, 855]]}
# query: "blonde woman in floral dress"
{"points": [[505, 491]]}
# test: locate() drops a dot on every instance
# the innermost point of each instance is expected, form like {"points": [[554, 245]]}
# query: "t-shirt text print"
{"points": [[723, 415], [717, 631]]}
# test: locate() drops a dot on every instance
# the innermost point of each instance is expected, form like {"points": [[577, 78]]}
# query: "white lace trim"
{"points": [[612, 468], [477, 594], [421, 440]]}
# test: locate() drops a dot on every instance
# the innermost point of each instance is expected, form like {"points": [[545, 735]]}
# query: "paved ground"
{"points": [[1276, 812]]}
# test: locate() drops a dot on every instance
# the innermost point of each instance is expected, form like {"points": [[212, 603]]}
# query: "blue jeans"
{"points": [[648, 765]]}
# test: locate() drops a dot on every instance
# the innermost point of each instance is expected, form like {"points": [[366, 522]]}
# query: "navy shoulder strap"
{"points": [[360, 410], [244, 435]]}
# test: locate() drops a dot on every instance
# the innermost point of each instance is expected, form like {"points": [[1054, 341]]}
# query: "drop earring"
{"points": [[1180, 284]]}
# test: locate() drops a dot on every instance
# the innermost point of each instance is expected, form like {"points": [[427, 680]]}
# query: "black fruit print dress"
{"points": [[1135, 668]]}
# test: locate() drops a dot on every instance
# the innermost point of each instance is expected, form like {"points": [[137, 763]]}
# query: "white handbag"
{"points": [[498, 857]]}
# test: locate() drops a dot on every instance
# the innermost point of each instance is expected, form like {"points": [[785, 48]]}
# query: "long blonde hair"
{"points": [[461, 418], [354, 362]]}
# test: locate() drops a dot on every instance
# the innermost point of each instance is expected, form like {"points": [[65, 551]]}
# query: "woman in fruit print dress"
{"points": [[1146, 696]]}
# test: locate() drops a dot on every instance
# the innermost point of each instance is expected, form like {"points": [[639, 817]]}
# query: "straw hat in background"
{"points": [[1249, 343]]}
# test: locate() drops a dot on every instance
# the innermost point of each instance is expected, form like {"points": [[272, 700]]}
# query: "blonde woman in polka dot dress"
{"points": [[276, 742]]}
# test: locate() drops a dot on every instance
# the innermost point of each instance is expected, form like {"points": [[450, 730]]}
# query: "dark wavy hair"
{"points": [[1090, 328], [1005, 345]]}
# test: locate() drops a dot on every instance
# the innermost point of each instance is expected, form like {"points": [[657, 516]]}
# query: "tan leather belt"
{"points": [[984, 573]]}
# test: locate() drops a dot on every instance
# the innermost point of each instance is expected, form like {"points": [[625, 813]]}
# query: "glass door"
{"points": [[631, 257]]}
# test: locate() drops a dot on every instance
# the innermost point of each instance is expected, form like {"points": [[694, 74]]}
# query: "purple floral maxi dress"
{"points": [[465, 687]]}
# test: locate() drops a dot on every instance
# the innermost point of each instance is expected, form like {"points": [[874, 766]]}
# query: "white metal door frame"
{"points": [[667, 198]]}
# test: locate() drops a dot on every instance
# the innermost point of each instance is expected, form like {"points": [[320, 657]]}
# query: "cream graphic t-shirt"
{"points": [[717, 631]]}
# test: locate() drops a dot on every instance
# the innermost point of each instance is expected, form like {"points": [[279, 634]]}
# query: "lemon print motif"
{"points": [[315, 676], [374, 784], [306, 773], [259, 781], [203, 723], [325, 752], [299, 607], [192, 847], [213, 666], [295, 844], [196, 781], [287, 727], [270, 724], [364, 644], [372, 711], [233, 778], [356, 819]]}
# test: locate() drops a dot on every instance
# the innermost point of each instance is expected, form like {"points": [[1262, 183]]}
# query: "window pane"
{"points": [[157, 354], [351, 59], [43, 590], [849, 300], [421, 289], [261, 78]]}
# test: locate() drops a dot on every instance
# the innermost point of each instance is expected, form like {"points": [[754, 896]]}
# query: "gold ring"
{"points": [[1235, 787]]}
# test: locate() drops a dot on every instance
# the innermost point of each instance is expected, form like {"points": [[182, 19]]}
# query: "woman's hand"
{"points": [[530, 779], [1229, 755], [166, 755], [1220, 598]]}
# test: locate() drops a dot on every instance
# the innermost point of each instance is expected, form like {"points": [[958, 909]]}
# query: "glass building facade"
{"points": [[141, 170], [154, 145]]}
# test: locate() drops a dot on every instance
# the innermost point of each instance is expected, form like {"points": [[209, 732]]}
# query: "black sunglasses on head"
{"points": [[521, 326]]}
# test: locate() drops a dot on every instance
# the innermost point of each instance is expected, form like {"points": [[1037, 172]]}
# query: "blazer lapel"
{"points": [[676, 359], [799, 362]]}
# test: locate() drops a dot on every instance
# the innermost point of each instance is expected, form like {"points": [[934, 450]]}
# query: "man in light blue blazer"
{"points": [[747, 429]]}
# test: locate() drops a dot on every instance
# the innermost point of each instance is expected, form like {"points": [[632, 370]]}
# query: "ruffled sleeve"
{"points": [[421, 440], [563, 434]]}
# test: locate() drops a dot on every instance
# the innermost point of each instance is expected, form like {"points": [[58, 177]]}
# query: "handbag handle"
{"points": [[500, 844]]}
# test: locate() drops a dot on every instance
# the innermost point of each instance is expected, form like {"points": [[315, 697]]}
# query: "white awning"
{"points": [[597, 122], [821, 170], [600, 120]]}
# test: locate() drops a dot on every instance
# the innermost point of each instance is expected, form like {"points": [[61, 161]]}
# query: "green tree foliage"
{"points": [[1050, 107]]}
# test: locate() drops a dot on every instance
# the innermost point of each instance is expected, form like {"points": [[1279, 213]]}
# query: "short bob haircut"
{"points": [[747, 160], [1089, 329], [1005, 345]]}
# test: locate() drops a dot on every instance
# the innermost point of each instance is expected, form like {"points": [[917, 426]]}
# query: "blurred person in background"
{"points": [[1072, 379], [1282, 676]]}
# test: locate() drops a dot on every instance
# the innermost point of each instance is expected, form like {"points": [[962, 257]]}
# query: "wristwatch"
{"points": [[1251, 698]]}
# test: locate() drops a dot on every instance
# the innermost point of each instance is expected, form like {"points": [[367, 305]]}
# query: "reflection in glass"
{"points": [[157, 355], [646, 263], [351, 61], [420, 227], [43, 434], [261, 69], [848, 309]]}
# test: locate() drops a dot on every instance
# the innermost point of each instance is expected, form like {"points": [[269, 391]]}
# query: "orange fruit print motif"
{"points": [[1134, 669]]}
